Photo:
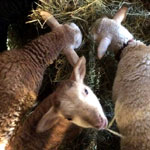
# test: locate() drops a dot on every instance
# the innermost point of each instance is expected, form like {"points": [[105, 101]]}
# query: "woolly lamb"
{"points": [[21, 72], [46, 127], [131, 89]]}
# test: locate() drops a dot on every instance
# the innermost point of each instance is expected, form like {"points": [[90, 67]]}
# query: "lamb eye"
{"points": [[69, 119], [86, 91]]}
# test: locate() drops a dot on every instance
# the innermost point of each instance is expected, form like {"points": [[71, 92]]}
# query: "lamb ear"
{"points": [[48, 120], [71, 55], [79, 70], [102, 47], [120, 15], [50, 19]]}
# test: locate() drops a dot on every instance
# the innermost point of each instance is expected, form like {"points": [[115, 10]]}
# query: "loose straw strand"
{"points": [[111, 131]]}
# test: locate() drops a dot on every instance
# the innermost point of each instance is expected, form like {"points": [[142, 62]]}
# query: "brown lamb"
{"points": [[21, 73], [131, 89], [48, 125]]}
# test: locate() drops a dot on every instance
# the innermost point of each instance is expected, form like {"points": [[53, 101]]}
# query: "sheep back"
{"points": [[131, 92], [21, 75]]}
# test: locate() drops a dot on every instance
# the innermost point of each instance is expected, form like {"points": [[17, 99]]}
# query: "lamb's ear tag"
{"points": [[120, 15]]}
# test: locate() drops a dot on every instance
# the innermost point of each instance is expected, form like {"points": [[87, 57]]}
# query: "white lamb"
{"points": [[131, 89]]}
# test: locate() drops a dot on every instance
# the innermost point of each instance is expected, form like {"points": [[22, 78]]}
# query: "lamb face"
{"points": [[69, 51], [77, 35], [80, 106], [76, 102], [110, 34], [72, 32]]}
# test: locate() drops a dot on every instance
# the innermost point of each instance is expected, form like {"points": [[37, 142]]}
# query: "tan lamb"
{"points": [[22, 70], [131, 89], [72, 102]]}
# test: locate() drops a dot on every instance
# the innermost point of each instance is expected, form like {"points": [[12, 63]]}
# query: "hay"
{"points": [[100, 74], [111, 131], [68, 10]]}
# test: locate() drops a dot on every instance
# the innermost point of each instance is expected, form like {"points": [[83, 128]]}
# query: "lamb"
{"points": [[131, 88], [21, 72], [72, 102]]}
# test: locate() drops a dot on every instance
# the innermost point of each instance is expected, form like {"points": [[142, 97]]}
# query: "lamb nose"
{"points": [[105, 123]]}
